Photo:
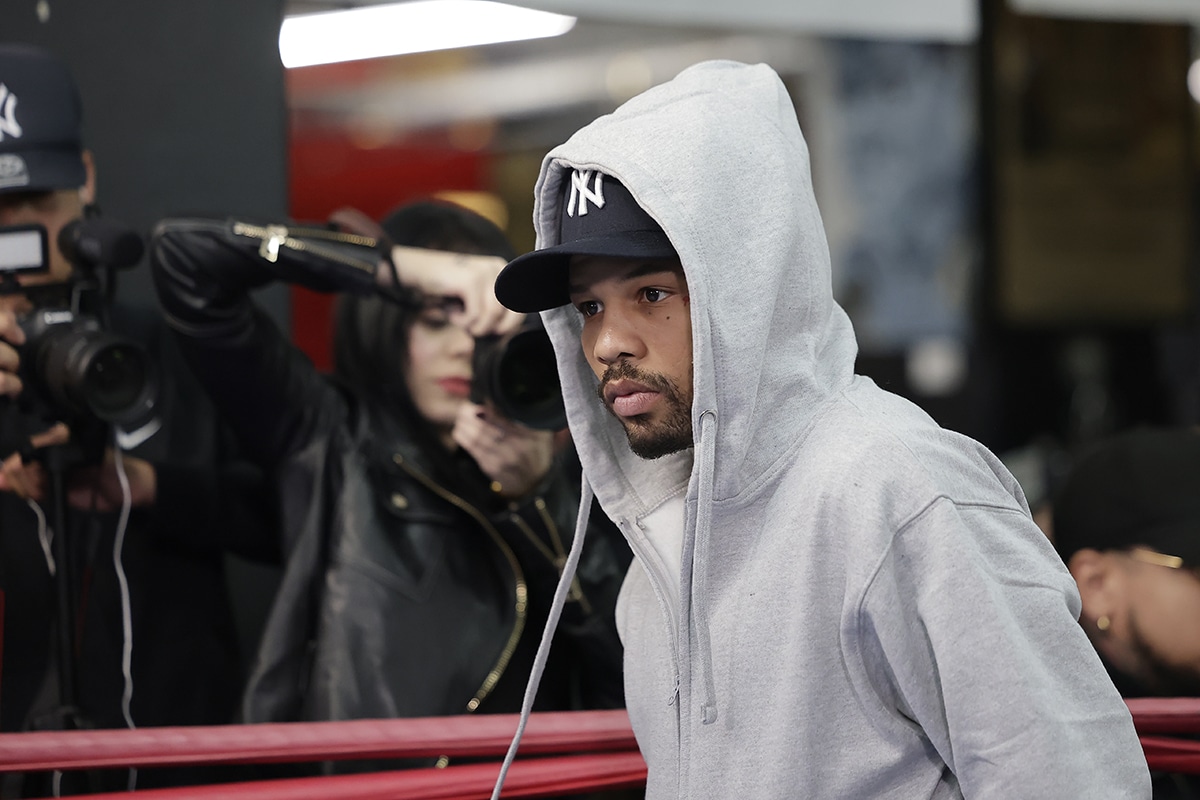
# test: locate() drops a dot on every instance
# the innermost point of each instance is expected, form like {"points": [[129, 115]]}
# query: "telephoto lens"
{"points": [[518, 375]]}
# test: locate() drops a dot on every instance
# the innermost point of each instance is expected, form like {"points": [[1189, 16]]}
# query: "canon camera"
{"points": [[73, 367], [517, 374]]}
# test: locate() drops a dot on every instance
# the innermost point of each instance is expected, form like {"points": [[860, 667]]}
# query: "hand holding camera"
{"points": [[11, 337], [24, 480], [515, 457], [468, 278]]}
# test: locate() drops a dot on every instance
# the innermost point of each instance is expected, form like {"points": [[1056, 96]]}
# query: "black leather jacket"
{"points": [[400, 596]]}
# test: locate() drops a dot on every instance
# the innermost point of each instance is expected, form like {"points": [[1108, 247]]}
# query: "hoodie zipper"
{"points": [[276, 236], [522, 590]]}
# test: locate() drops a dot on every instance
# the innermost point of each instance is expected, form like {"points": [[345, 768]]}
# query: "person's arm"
{"points": [[975, 618], [204, 271], [226, 506]]}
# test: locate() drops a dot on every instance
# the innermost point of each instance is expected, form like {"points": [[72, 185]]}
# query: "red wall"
{"points": [[329, 171]]}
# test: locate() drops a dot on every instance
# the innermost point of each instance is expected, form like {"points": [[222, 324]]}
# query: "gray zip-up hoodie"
{"points": [[866, 608]]}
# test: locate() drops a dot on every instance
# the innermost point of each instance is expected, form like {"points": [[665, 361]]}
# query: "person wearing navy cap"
{"points": [[46, 174], [1127, 524], [143, 530]]}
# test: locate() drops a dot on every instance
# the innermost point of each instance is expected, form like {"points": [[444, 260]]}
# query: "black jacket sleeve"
{"points": [[204, 271]]}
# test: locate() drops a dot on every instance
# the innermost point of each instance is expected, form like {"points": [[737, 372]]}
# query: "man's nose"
{"points": [[618, 340]]}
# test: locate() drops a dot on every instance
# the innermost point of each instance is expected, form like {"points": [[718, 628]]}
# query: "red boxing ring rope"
{"points": [[526, 778], [429, 737], [609, 760], [1165, 714]]}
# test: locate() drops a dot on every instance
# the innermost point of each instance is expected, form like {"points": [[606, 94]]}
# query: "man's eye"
{"points": [[588, 308], [654, 295]]}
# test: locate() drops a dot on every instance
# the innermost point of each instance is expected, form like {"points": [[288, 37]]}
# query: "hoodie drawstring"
{"points": [[706, 455], [565, 581]]}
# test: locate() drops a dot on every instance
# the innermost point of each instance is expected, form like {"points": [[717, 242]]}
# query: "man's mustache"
{"points": [[623, 370]]}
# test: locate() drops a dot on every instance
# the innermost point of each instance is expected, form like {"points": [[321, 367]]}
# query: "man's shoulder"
{"points": [[888, 453]]}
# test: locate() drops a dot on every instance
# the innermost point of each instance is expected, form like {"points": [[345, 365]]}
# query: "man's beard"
{"points": [[648, 438]]}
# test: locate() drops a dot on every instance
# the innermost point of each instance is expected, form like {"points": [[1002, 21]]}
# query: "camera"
{"points": [[517, 374], [74, 368]]}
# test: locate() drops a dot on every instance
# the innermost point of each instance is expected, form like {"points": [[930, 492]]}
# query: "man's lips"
{"points": [[629, 398], [458, 387]]}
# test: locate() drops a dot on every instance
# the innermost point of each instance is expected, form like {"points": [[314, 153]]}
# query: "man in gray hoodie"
{"points": [[833, 597]]}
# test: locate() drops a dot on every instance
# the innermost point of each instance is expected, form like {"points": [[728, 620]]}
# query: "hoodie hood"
{"points": [[770, 345]]}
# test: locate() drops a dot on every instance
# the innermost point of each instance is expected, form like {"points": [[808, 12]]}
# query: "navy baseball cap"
{"points": [[598, 218], [1140, 488], [41, 122]]}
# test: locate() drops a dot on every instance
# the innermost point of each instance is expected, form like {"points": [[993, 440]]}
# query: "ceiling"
{"points": [[560, 81]]}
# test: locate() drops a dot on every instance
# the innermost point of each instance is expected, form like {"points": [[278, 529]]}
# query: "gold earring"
{"points": [[1103, 622]]}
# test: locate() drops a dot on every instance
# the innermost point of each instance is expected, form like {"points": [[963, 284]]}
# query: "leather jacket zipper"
{"points": [[276, 236], [559, 560], [522, 590]]}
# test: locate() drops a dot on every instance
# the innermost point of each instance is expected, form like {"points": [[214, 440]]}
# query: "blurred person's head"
{"points": [[46, 176], [1127, 524], [412, 359]]}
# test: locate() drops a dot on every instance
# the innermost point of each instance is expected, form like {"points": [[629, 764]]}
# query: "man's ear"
{"points": [[87, 192], [1100, 586]]}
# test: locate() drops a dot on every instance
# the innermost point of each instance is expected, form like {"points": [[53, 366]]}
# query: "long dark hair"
{"points": [[371, 334]]}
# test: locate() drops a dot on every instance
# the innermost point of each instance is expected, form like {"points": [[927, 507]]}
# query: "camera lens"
{"points": [[528, 380], [114, 379], [519, 375], [84, 370]]}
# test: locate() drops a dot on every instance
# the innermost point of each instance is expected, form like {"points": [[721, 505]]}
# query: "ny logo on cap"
{"points": [[8, 114], [581, 194]]}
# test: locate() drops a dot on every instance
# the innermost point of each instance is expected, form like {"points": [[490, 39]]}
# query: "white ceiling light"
{"points": [[414, 27]]}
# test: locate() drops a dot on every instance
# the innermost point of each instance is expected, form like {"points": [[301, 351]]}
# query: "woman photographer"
{"points": [[423, 533]]}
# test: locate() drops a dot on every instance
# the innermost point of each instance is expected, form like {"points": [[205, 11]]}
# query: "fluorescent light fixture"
{"points": [[414, 27]]}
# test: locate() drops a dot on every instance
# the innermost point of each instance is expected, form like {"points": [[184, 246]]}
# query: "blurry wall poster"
{"points": [[1092, 170], [902, 120]]}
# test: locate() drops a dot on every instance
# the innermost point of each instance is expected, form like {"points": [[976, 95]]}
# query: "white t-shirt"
{"points": [[664, 525]]}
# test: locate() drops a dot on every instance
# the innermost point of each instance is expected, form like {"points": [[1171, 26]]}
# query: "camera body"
{"points": [[517, 374], [74, 368]]}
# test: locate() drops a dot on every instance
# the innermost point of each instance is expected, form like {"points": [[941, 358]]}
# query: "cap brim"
{"points": [[42, 170], [1177, 538], [538, 281]]}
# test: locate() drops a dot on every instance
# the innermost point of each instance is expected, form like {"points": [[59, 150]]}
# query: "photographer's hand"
{"points": [[11, 337], [98, 487], [516, 458], [468, 278], [23, 478], [27, 479]]}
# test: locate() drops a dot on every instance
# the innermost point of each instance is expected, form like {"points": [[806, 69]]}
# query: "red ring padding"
{"points": [[1165, 714], [466, 736], [526, 778], [1157, 715], [428, 737]]}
